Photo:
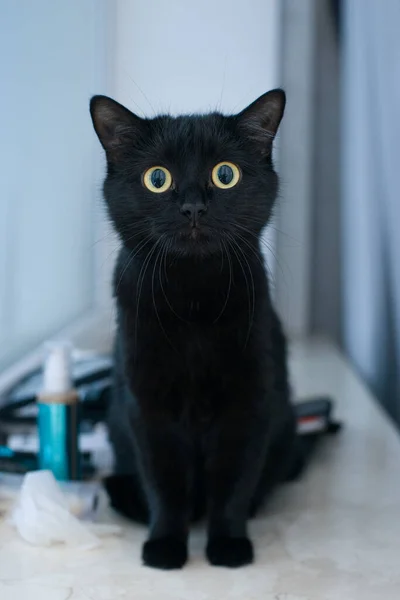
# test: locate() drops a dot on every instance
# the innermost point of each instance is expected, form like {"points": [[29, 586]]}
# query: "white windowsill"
{"points": [[332, 536]]}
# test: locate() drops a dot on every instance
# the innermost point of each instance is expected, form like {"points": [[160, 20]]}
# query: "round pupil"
{"points": [[225, 174], [158, 178]]}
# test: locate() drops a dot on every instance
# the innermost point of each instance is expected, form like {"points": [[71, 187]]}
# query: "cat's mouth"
{"points": [[194, 233], [195, 241], [195, 238]]}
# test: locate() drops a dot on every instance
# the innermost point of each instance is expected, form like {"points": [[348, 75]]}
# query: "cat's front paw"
{"points": [[165, 553], [230, 552]]}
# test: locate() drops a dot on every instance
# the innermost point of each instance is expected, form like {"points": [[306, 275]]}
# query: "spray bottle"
{"points": [[58, 415]]}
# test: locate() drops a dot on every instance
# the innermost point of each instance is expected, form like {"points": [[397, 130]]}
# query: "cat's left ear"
{"points": [[260, 120]]}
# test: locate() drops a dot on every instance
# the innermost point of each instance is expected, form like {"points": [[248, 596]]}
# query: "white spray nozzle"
{"points": [[57, 377]]}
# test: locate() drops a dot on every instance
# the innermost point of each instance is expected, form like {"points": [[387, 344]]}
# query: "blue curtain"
{"points": [[371, 193]]}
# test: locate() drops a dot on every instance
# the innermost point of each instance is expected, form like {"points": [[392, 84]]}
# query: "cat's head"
{"points": [[190, 183]]}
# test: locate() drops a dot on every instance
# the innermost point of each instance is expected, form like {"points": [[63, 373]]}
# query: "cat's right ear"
{"points": [[113, 123]]}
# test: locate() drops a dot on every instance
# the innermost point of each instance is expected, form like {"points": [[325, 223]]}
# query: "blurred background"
{"points": [[333, 247]]}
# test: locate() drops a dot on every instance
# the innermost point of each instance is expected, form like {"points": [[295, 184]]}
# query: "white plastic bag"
{"points": [[43, 516]]}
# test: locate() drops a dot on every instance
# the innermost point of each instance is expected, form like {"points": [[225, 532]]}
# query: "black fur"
{"points": [[201, 419], [229, 552]]}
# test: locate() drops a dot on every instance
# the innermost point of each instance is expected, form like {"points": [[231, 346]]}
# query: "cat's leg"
{"points": [[236, 453], [124, 486], [283, 460], [165, 459], [163, 448]]}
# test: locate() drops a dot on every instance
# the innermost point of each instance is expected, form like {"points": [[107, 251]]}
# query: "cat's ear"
{"points": [[113, 123], [260, 120]]}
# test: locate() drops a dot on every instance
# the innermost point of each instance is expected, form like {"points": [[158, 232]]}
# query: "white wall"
{"points": [[195, 56]]}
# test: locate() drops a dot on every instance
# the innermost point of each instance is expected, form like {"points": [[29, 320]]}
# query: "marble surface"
{"points": [[333, 536]]}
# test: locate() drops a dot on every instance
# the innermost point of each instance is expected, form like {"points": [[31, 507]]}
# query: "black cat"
{"points": [[201, 420]]}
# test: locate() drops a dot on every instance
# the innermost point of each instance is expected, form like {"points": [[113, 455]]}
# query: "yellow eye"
{"points": [[157, 179], [225, 175]]}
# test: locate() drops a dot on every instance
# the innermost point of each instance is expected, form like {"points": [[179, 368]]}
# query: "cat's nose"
{"points": [[193, 211]]}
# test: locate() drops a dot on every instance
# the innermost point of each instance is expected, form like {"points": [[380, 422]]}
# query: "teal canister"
{"points": [[58, 416]]}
